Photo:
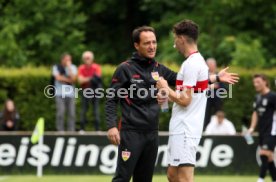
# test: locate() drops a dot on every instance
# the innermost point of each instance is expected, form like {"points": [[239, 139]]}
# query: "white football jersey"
{"points": [[189, 120]]}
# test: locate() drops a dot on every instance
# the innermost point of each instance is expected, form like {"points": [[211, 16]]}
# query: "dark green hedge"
{"points": [[26, 87]]}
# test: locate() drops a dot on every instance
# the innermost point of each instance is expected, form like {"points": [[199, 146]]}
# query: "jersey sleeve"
{"points": [[190, 74]]}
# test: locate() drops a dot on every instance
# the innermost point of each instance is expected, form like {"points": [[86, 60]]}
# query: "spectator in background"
{"points": [[89, 77], [214, 103], [65, 75], [9, 117], [219, 125]]}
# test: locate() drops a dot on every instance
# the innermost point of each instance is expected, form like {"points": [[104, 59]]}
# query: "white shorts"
{"points": [[182, 150]]}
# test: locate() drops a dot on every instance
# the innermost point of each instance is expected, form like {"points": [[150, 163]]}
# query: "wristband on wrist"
{"points": [[217, 78], [209, 81]]}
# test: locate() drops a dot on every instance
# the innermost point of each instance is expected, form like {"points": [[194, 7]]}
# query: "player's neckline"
{"points": [[191, 54]]}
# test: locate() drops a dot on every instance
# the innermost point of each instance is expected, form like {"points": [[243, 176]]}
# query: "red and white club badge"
{"points": [[126, 155], [155, 75]]}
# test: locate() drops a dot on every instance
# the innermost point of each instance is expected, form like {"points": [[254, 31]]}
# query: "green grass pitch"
{"points": [[101, 178]]}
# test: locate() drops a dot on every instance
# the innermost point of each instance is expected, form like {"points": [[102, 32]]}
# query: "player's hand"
{"points": [[227, 77], [162, 83], [114, 136], [161, 98]]}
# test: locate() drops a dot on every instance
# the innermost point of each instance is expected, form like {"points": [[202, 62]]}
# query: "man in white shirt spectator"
{"points": [[219, 125]]}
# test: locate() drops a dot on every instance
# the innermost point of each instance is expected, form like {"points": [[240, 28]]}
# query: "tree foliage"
{"points": [[38, 31]]}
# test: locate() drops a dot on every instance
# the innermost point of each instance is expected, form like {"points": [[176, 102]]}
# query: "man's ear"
{"points": [[136, 45], [183, 39]]}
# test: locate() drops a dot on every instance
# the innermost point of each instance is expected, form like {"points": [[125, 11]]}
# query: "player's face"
{"points": [[259, 84], [179, 43], [147, 45], [176, 42]]}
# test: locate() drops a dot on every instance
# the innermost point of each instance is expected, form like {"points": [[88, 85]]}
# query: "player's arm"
{"points": [[111, 105], [224, 76], [254, 122], [182, 98]]}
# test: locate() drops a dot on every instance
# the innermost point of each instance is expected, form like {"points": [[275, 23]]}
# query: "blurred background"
{"points": [[236, 32], [34, 34]]}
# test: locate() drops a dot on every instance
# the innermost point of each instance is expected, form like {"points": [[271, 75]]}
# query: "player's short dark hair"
{"points": [[187, 28], [137, 31], [263, 77]]}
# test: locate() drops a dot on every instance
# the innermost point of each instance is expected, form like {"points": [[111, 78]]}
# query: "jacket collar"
{"points": [[141, 60]]}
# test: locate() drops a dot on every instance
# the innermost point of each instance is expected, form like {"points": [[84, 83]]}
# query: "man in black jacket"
{"points": [[138, 137]]}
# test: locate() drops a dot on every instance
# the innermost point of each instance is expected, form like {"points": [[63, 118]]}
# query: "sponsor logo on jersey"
{"points": [[134, 80]]}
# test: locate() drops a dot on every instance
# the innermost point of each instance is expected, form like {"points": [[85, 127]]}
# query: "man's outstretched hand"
{"points": [[227, 77]]}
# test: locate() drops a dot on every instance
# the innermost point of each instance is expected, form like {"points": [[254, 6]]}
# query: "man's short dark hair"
{"points": [[137, 31], [263, 77], [187, 28], [63, 55]]}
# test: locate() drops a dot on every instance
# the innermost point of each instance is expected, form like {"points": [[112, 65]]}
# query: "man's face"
{"points": [[10, 106], [147, 45], [220, 117], [67, 60], [87, 59], [259, 84], [212, 66]]}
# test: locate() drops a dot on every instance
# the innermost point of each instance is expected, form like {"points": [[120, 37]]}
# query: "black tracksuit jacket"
{"points": [[140, 114]]}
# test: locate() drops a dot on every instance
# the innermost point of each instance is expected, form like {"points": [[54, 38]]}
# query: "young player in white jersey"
{"points": [[189, 99]]}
